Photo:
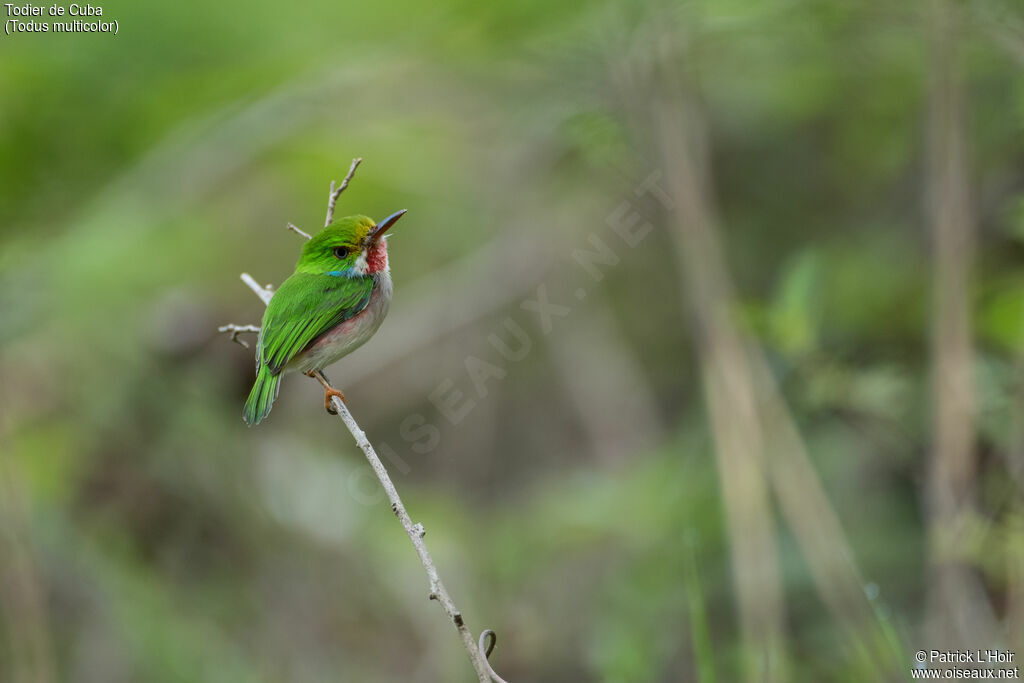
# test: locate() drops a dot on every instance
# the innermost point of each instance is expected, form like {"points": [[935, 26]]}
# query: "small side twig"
{"points": [[264, 293], [294, 228], [236, 330], [488, 639], [332, 198]]}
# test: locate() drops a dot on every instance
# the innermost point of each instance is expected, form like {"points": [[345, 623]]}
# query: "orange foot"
{"points": [[328, 395], [329, 391]]}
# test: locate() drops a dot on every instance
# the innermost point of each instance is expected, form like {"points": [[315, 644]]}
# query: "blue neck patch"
{"points": [[337, 273]]}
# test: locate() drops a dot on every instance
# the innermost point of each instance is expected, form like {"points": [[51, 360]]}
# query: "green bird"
{"points": [[331, 305]]}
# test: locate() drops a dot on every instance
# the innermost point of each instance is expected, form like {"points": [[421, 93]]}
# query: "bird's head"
{"points": [[353, 246]]}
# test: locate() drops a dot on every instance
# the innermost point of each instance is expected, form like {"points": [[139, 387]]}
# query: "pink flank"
{"points": [[346, 337]]}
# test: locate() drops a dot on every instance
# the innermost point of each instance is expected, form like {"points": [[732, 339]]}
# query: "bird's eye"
{"points": [[341, 252]]}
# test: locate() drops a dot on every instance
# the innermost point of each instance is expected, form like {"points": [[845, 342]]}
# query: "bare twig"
{"points": [[236, 330], [332, 198], [488, 639], [294, 228], [264, 293], [415, 531]]}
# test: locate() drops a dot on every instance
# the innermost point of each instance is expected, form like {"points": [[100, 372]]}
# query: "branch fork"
{"points": [[478, 651]]}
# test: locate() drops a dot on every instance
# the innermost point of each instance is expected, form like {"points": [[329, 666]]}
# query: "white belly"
{"points": [[349, 335]]}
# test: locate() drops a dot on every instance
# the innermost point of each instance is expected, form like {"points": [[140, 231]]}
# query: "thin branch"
{"points": [[264, 293], [294, 228], [332, 198], [236, 330], [477, 652], [416, 532]]}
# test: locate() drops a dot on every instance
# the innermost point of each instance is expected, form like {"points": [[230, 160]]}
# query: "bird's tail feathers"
{"points": [[262, 396]]}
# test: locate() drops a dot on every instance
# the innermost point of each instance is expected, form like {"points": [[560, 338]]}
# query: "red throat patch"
{"points": [[377, 257]]}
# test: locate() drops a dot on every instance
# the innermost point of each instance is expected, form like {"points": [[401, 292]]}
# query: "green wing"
{"points": [[303, 308]]}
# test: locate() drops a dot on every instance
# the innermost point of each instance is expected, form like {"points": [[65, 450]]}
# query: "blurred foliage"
{"points": [[140, 173]]}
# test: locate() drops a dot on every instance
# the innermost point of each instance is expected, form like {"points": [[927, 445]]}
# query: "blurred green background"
{"points": [[723, 458]]}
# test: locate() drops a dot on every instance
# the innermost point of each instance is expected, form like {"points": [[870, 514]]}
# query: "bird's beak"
{"points": [[382, 227]]}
